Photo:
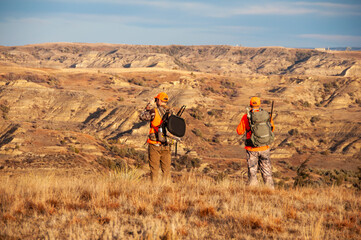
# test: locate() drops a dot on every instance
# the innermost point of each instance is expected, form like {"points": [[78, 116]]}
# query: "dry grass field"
{"points": [[125, 205]]}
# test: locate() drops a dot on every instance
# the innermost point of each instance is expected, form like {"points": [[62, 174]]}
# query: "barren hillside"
{"points": [[73, 106], [210, 59]]}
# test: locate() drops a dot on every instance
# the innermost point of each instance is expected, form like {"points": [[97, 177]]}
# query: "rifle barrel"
{"points": [[176, 148], [181, 110]]}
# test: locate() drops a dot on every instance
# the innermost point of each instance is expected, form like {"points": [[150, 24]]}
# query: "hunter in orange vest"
{"points": [[259, 155], [159, 152]]}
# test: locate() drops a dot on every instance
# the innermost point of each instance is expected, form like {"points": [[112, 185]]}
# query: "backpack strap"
{"points": [[249, 117], [164, 115], [248, 114]]}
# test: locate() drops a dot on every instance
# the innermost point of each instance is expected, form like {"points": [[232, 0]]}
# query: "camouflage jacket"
{"points": [[148, 115]]}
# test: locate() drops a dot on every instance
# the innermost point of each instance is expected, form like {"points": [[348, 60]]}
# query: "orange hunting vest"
{"points": [[154, 125], [244, 126]]}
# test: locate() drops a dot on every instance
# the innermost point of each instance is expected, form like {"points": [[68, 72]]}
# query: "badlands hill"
{"points": [[75, 106]]}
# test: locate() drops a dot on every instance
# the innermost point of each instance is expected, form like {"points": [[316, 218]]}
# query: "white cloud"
{"points": [[234, 8], [233, 29], [327, 4], [104, 28], [274, 9], [291, 8], [68, 18], [341, 39], [155, 3], [225, 9], [215, 24], [327, 8]]}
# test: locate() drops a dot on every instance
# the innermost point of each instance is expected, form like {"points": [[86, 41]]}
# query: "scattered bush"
{"points": [[128, 152], [4, 111], [266, 102], [196, 113], [305, 104], [329, 86], [187, 162], [136, 82], [211, 89], [303, 178], [231, 93], [215, 139], [326, 152], [227, 84], [358, 102], [74, 149], [293, 132], [315, 119], [221, 176], [217, 113], [198, 132], [235, 165], [111, 164]]}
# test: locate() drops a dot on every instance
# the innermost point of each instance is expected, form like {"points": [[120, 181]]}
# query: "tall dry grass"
{"points": [[123, 205]]}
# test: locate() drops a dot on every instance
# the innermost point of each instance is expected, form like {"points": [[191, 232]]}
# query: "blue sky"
{"points": [[305, 23]]}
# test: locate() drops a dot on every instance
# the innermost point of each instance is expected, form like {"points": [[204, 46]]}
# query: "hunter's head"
{"points": [[255, 102], [161, 99]]}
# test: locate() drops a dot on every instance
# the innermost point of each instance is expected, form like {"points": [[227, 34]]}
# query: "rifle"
{"points": [[181, 110], [179, 113], [271, 115]]}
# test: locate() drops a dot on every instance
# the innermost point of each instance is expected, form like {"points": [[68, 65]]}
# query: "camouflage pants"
{"points": [[262, 160], [159, 155]]}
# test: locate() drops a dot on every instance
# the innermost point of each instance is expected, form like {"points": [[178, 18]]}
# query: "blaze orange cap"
{"points": [[255, 102], [162, 96]]}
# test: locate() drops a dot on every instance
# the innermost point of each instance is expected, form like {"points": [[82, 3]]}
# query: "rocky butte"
{"points": [[73, 106]]}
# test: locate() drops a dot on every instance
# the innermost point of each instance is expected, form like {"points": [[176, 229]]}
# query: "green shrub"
{"points": [[74, 149], [211, 89], [215, 139], [315, 119], [197, 113], [221, 176], [128, 152], [112, 164], [303, 178], [136, 82], [326, 152], [187, 162], [293, 132], [358, 102], [5, 110], [217, 113], [227, 84], [198, 132]]}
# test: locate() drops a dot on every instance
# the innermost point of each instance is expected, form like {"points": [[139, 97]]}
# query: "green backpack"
{"points": [[261, 128]]}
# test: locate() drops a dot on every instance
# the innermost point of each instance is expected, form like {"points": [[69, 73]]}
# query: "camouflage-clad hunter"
{"points": [[159, 152], [258, 154]]}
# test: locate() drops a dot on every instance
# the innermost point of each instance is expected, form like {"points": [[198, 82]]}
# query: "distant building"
{"points": [[320, 49]]}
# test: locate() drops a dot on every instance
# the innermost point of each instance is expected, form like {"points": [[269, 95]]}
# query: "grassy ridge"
{"points": [[122, 205]]}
